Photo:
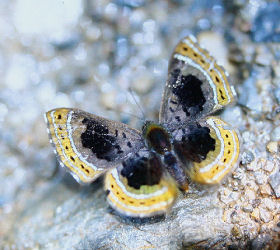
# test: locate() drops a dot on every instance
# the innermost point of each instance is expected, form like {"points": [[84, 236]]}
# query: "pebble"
{"points": [[276, 93], [265, 189], [250, 194], [247, 208], [108, 100], [263, 57], [267, 23], [274, 181], [268, 204], [253, 166], [268, 166], [247, 157], [211, 41], [275, 134], [260, 242], [236, 231], [265, 215], [255, 214], [142, 83], [238, 174], [260, 177]]}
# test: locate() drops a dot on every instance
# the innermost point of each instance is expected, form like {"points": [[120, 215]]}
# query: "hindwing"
{"points": [[139, 187]]}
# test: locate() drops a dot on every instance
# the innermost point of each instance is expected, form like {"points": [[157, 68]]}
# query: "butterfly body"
{"points": [[143, 170]]}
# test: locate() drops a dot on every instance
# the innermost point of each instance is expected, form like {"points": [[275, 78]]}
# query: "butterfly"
{"points": [[144, 170]]}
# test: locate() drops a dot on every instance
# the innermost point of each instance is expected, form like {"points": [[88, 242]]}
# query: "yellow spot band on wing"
{"points": [[57, 123], [219, 162], [139, 205]]}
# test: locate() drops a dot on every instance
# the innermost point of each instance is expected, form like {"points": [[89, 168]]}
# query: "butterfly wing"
{"points": [[196, 85], [209, 149], [139, 187], [89, 145]]}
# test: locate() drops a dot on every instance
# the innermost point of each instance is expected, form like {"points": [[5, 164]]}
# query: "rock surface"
{"points": [[86, 55]]}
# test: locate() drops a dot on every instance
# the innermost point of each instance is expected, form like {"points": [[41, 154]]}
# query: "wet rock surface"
{"points": [[88, 58]]}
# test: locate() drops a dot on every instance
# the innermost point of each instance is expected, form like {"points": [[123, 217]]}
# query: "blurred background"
{"points": [[86, 54]]}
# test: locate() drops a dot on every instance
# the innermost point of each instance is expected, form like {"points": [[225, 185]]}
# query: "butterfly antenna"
{"points": [[137, 103], [125, 112]]}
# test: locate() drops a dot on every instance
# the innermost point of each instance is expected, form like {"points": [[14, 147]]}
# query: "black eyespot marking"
{"points": [[96, 138], [171, 109], [59, 116], [116, 133], [173, 102], [142, 171], [185, 48], [189, 93], [129, 144], [226, 135], [195, 145], [72, 158], [124, 135]]}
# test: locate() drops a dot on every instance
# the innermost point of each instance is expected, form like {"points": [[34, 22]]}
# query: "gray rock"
{"points": [[274, 181]]}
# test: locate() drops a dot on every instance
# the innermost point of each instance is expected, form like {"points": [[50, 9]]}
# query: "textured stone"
{"points": [[265, 216], [274, 181], [268, 166], [255, 214], [272, 147], [265, 189], [247, 157], [266, 23]]}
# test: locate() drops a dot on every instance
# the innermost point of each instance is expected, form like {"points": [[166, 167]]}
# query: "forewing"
{"points": [[139, 187], [89, 145], [209, 149], [196, 84]]}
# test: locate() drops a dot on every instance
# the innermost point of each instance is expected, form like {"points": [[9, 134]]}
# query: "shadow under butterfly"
{"points": [[144, 170]]}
